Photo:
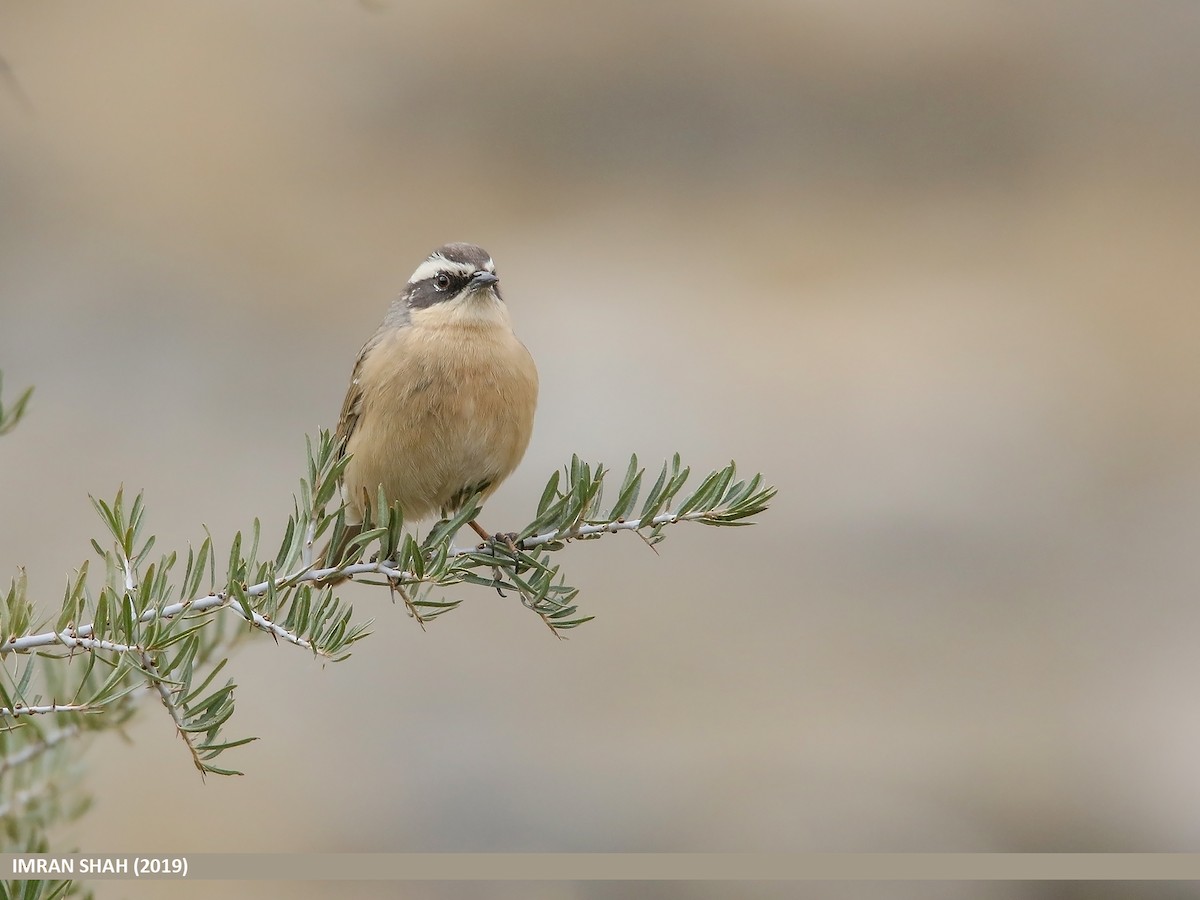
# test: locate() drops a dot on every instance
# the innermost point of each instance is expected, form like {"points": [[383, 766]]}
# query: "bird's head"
{"points": [[456, 280]]}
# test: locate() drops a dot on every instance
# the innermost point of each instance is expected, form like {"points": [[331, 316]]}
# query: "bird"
{"points": [[442, 397]]}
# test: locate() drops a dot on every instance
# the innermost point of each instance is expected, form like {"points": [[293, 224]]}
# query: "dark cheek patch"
{"points": [[424, 294]]}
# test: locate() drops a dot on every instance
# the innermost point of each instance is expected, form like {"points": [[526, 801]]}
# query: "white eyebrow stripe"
{"points": [[436, 264]]}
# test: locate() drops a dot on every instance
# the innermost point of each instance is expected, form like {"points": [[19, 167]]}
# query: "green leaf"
{"points": [[212, 750], [12, 415], [238, 593], [549, 494], [447, 528], [183, 660], [214, 770], [630, 487], [708, 492], [285, 546]]}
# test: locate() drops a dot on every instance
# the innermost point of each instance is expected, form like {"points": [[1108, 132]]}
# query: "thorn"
{"points": [[646, 541]]}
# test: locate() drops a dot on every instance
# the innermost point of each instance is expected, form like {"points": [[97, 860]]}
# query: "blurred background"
{"points": [[930, 266]]}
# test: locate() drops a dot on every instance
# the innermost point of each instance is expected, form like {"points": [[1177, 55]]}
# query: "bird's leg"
{"points": [[508, 539]]}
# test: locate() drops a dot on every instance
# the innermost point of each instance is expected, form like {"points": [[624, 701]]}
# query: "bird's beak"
{"points": [[480, 280]]}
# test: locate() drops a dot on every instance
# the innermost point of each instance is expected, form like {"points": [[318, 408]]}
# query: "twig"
{"points": [[20, 710], [578, 531], [81, 637], [168, 700], [37, 748]]}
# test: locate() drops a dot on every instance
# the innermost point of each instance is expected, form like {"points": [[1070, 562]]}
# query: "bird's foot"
{"points": [[507, 538]]}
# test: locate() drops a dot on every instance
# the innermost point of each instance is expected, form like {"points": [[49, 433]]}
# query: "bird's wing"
{"points": [[347, 422], [352, 405]]}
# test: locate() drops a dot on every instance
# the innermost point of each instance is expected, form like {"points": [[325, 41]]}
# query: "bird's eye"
{"points": [[442, 281]]}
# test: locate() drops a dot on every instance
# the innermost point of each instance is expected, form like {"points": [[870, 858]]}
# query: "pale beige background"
{"points": [[931, 266]]}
